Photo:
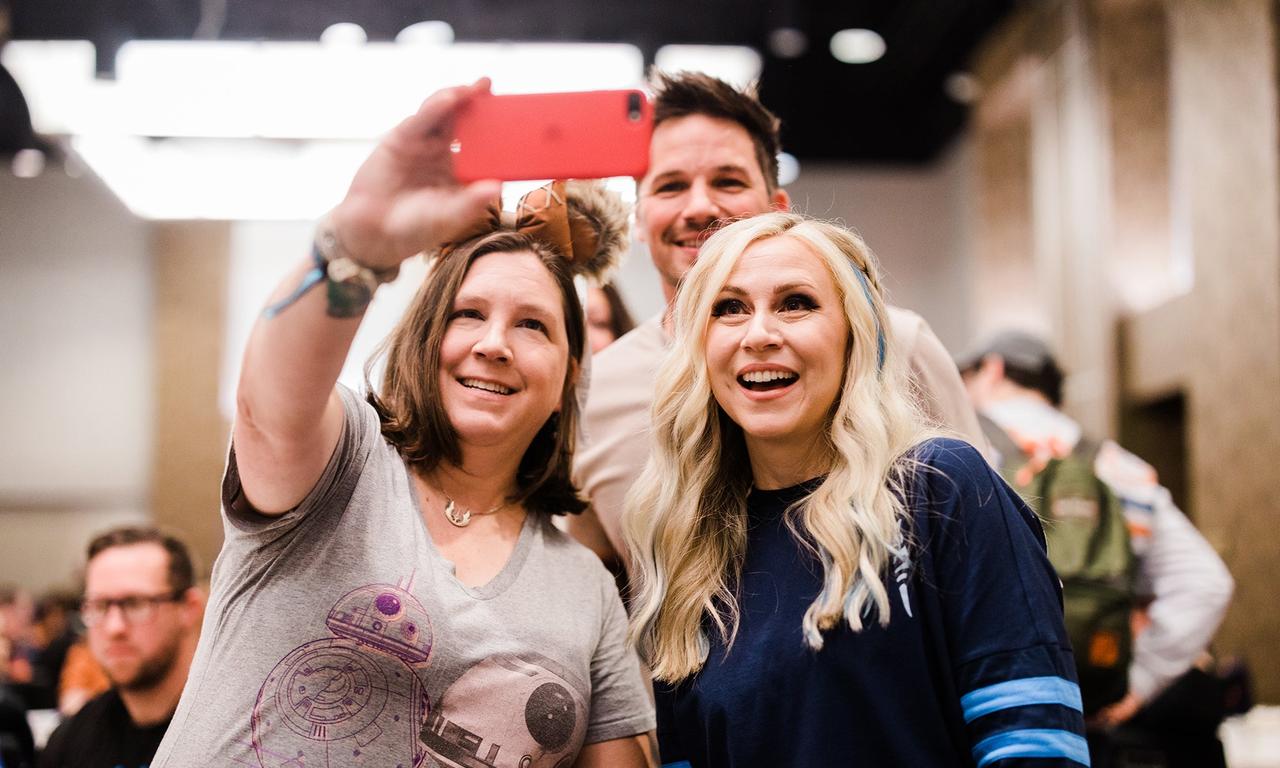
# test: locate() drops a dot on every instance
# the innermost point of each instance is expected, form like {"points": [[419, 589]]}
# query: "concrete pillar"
{"points": [[1005, 285], [1133, 56], [191, 262], [1041, 246], [1073, 220], [1223, 100], [1154, 176]]}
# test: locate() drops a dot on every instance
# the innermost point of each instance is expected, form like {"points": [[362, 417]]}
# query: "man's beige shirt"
{"points": [[617, 417]]}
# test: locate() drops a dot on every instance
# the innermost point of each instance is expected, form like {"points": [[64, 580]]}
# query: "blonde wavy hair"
{"points": [[686, 519]]}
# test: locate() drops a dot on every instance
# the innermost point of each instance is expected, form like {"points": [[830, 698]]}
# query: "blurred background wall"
{"points": [[1128, 193]]}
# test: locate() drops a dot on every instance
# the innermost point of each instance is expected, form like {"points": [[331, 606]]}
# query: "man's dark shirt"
{"points": [[17, 748], [102, 735]]}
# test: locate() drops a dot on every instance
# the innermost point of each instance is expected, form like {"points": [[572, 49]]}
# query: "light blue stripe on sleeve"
{"points": [[1020, 693], [681, 764], [1032, 742]]}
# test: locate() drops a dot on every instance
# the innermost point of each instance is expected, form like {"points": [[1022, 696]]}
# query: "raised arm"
{"points": [[403, 200]]}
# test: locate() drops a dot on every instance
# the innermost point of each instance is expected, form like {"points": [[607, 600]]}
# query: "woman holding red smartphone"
{"points": [[391, 591]]}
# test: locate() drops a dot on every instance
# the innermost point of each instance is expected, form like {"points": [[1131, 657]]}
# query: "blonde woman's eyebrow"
{"points": [[795, 285], [784, 288]]}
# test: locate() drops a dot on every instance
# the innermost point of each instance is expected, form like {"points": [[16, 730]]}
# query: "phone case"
{"points": [[576, 135]]}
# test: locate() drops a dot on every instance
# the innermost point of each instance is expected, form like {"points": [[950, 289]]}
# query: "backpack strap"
{"points": [[1086, 450], [1000, 440]]}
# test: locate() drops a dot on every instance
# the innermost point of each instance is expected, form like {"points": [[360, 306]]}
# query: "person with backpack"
{"points": [[1126, 554]]}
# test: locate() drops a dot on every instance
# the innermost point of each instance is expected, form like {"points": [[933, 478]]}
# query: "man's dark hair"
{"points": [[1028, 362], [182, 572], [693, 93], [1047, 380]]}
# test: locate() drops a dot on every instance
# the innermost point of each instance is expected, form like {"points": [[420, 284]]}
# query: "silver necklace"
{"points": [[461, 516]]}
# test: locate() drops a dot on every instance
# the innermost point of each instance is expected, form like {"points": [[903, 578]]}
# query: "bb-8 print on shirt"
{"points": [[327, 702], [509, 711]]}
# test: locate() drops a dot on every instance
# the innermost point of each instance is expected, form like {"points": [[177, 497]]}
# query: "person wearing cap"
{"points": [[391, 590], [1015, 382]]}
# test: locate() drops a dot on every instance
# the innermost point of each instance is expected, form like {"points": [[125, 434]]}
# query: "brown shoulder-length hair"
{"points": [[410, 409], [620, 321]]}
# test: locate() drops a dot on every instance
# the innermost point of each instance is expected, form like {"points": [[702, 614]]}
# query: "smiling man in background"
{"points": [[713, 158]]}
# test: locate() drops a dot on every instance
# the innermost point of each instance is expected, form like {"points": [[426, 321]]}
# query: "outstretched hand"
{"points": [[1117, 714], [405, 199]]}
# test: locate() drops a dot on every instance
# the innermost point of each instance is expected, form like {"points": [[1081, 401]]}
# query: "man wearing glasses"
{"points": [[143, 613]]}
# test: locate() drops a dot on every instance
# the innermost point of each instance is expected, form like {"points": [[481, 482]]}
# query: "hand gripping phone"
{"points": [[575, 135]]}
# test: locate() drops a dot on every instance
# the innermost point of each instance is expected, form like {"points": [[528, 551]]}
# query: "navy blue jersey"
{"points": [[973, 669]]}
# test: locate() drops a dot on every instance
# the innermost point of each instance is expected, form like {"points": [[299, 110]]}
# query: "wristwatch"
{"points": [[350, 283]]}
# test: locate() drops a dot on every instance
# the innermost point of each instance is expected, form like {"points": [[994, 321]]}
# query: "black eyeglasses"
{"points": [[136, 609]]}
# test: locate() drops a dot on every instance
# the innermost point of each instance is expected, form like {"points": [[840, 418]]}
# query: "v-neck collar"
{"points": [[505, 577]]}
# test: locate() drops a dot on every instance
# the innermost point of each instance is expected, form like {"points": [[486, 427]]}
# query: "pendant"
{"points": [[451, 514]]}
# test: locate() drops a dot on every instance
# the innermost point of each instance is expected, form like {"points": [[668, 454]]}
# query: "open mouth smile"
{"points": [[766, 380], [487, 386]]}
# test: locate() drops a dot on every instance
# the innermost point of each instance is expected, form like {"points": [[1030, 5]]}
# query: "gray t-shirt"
{"points": [[337, 635]]}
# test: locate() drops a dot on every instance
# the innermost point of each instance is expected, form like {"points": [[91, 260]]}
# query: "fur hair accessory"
{"points": [[581, 220]]}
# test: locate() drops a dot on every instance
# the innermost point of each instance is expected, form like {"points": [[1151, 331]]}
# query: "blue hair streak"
{"points": [[880, 344]]}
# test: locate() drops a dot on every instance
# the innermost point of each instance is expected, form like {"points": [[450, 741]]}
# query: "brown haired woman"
{"points": [[608, 318], [391, 591]]}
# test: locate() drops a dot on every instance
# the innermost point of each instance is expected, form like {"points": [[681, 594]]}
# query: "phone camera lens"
{"points": [[633, 106]]}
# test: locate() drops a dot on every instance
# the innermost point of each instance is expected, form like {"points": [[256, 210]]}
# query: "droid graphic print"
{"points": [[354, 698], [509, 711]]}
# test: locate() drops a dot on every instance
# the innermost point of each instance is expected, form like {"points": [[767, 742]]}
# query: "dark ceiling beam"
{"points": [[893, 110]]}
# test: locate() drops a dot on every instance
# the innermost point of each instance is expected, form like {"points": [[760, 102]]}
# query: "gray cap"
{"points": [[1027, 361], [1018, 348]]}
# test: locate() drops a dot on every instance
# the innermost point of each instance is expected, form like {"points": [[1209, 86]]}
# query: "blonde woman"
{"points": [[822, 580]]}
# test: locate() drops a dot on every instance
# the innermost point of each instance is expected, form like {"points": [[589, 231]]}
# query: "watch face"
{"points": [[343, 269]]}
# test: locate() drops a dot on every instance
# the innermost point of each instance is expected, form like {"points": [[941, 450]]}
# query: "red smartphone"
{"points": [[575, 135]]}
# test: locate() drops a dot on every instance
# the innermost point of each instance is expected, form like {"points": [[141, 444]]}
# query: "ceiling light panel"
{"points": [[857, 46]]}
